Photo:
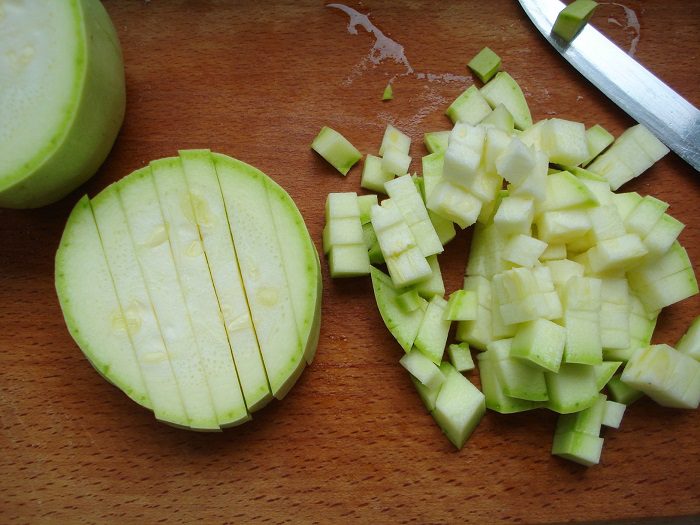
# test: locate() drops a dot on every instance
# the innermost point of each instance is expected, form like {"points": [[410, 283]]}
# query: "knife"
{"points": [[674, 120]]}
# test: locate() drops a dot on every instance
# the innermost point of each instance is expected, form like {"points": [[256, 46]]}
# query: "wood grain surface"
{"points": [[351, 442]]}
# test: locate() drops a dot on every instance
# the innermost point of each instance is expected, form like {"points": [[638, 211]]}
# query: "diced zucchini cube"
{"points": [[519, 311], [485, 64], [662, 236], [499, 327], [485, 253], [606, 223], [554, 252], [610, 167], [515, 215], [502, 89], [404, 194], [373, 175], [564, 141], [336, 149], [520, 380], [612, 416], [432, 285], [364, 204], [563, 270], [598, 138], [342, 205], [395, 240], [495, 398], [615, 290], [454, 203], [463, 155], [410, 301], [470, 107], [573, 18], [673, 261], [407, 268], [501, 119], [583, 341], [481, 286], [515, 284], [531, 136], [582, 294], [385, 216], [423, 369], [564, 190], [668, 290], [395, 161], [459, 406], [645, 215], [436, 141], [535, 184], [460, 357], [515, 162], [432, 171], [648, 141], [348, 260], [444, 228], [562, 225], [619, 253], [581, 245], [485, 186], [572, 388], [495, 144], [479, 332], [581, 448], [433, 331], [393, 138], [631, 153], [540, 342], [669, 377], [587, 421], [462, 306], [345, 231], [598, 186], [614, 325], [524, 250], [427, 395]]}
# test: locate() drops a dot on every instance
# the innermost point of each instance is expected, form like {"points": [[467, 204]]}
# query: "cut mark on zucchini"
{"points": [[160, 378], [229, 326], [198, 292], [187, 364]]}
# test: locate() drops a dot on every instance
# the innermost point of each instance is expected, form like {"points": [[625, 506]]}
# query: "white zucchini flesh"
{"points": [[136, 308], [62, 97], [93, 311], [210, 215], [150, 236], [173, 256], [301, 264], [197, 286], [262, 269]]}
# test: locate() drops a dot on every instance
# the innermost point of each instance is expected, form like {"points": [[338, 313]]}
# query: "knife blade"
{"points": [[674, 120]]}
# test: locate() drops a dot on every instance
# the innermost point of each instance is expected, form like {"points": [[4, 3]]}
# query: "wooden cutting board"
{"points": [[351, 442]]}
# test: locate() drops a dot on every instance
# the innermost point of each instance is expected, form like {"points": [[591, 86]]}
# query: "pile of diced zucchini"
{"points": [[564, 280]]}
